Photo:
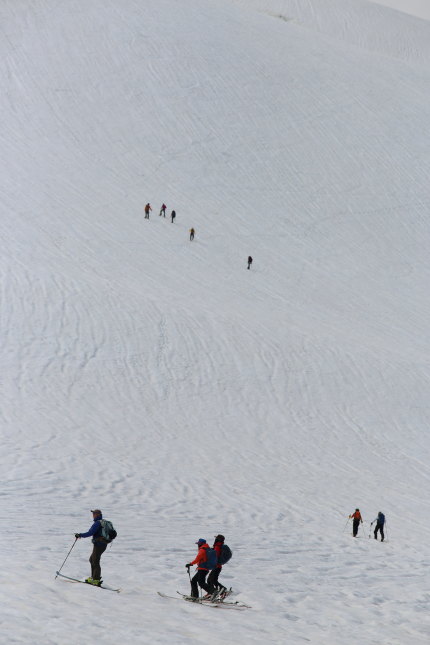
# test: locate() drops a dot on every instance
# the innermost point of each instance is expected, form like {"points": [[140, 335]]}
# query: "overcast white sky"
{"points": [[420, 8]]}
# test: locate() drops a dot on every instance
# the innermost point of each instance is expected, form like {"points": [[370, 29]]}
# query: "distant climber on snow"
{"points": [[356, 519], [192, 231], [249, 261], [163, 210], [172, 216], [147, 210], [380, 521]]}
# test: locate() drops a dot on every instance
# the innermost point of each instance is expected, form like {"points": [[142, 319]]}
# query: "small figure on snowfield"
{"points": [[380, 521], [192, 231], [249, 261], [163, 210], [147, 210], [173, 215], [356, 519]]}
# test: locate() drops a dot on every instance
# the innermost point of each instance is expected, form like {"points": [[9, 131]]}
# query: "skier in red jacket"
{"points": [[214, 574]]}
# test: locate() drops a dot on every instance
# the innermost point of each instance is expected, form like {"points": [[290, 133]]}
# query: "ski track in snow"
{"points": [[163, 382]]}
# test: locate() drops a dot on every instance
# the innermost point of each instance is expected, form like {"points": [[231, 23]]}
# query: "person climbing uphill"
{"points": [[356, 519], [380, 521]]}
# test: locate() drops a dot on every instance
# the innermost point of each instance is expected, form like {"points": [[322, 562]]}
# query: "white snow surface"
{"points": [[158, 378], [420, 8]]}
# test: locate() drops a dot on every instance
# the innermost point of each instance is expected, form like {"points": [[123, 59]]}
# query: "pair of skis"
{"points": [[102, 586], [217, 602]]}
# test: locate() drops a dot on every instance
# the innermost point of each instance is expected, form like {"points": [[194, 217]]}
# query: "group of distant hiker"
{"points": [[209, 560], [162, 212], [192, 231], [357, 520]]}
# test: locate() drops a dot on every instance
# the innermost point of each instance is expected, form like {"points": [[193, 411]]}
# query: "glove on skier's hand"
{"points": [[187, 566], [77, 535]]}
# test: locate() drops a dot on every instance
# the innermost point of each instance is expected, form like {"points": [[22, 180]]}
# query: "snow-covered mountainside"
{"points": [[156, 377], [419, 8]]}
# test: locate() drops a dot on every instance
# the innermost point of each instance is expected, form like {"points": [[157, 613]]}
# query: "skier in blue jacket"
{"points": [[99, 547]]}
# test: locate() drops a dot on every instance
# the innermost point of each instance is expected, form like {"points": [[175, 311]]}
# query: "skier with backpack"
{"points": [[206, 560], [380, 521], [102, 533], [223, 556]]}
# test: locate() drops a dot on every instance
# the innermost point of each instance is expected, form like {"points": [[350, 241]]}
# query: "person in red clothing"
{"points": [[199, 579], [356, 519], [214, 574]]}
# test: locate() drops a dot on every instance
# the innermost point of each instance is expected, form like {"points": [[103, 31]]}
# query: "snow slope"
{"points": [[160, 380], [420, 8]]}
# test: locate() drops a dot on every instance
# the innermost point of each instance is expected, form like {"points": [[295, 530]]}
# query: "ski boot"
{"points": [[93, 581]]}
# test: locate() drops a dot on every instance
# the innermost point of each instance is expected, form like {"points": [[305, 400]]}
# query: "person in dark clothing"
{"points": [[199, 579], [380, 521], [356, 519], [163, 210], [249, 261], [173, 215], [99, 547], [214, 574], [192, 231], [147, 210]]}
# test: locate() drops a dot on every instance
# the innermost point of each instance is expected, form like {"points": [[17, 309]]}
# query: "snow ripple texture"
{"points": [[157, 378]]}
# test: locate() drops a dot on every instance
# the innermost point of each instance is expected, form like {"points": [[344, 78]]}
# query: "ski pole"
{"points": [[362, 526], [370, 528], [347, 521], [76, 539]]}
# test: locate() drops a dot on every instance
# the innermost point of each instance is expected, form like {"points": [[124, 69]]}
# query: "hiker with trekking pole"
{"points": [[380, 523], [356, 521], [206, 560]]}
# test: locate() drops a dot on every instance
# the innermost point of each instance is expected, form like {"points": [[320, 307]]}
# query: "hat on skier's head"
{"points": [[357, 509], [97, 511], [201, 541], [219, 538]]}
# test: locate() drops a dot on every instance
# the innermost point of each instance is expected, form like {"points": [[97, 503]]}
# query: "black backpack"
{"points": [[225, 554]]}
